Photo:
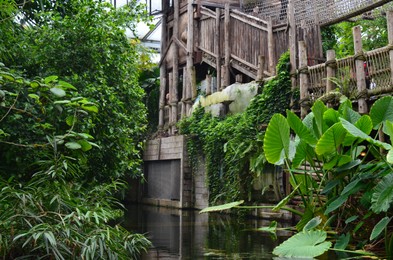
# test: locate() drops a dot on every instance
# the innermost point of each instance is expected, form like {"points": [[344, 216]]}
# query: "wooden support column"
{"points": [[303, 70], [227, 47], [191, 87], [163, 76], [175, 66], [360, 73], [270, 45], [330, 70], [217, 50], [261, 66], [292, 47], [170, 83], [390, 37], [184, 94]]}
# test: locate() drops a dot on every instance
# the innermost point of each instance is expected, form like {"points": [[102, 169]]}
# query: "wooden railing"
{"points": [[359, 76], [232, 39]]}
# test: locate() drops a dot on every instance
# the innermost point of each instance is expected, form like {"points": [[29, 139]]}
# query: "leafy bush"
{"points": [[47, 207]]}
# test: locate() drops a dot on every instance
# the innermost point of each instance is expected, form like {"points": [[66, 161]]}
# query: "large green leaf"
{"points": [[335, 204], [365, 124], [307, 244], [222, 207], [331, 139], [379, 227], [319, 109], [285, 200], [353, 130], [300, 129], [383, 195], [331, 117], [350, 115], [303, 152], [313, 223], [306, 182], [276, 140], [342, 241], [381, 111]]}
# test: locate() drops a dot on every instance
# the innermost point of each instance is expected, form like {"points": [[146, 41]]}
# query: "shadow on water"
{"points": [[186, 234]]}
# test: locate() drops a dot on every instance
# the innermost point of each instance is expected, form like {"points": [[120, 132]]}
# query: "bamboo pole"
{"points": [[270, 45], [227, 48], [360, 74], [217, 50], [390, 37], [303, 69]]}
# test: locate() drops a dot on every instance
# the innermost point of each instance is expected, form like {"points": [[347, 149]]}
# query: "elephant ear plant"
{"points": [[341, 167]]}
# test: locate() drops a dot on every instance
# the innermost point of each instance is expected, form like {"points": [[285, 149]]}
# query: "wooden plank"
{"points": [[208, 12], [244, 70], [237, 17], [239, 13], [217, 49], [227, 47], [244, 62]]}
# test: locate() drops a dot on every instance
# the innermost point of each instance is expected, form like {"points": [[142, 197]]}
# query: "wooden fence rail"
{"points": [[359, 76]]}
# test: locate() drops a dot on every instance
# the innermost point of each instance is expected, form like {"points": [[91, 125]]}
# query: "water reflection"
{"points": [[186, 234]]}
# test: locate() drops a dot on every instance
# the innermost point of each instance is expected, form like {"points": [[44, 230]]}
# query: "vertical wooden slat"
{"points": [[162, 67], [270, 45], [227, 48], [360, 74], [175, 71], [217, 50], [292, 45], [190, 51]]}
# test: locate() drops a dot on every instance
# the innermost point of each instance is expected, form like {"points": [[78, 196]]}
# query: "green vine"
{"points": [[232, 146]]}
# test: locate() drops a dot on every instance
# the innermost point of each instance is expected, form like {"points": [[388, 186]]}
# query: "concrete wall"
{"points": [[168, 174]]}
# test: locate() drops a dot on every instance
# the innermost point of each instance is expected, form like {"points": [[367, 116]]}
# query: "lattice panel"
{"points": [[310, 12], [378, 69], [317, 77]]}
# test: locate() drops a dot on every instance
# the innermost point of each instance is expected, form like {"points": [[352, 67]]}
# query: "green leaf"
{"points": [[305, 181], [50, 79], [331, 140], [304, 245], [70, 120], [73, 145], [90, 108], [66, 85], [222, 207], [350, 115], [342, 241], [353, 130], [318, 110], [383, 195], [336, 204], [276, 140], [331, 184], [389, 156], [61, 102], [379, 227], [381, 111], [313, 223], [86, 146], [351, 219], [58, 92], [272, 228], [285, 200], [331, 117], [352, 185], [300, 129], [34, 96], [365, 124]]}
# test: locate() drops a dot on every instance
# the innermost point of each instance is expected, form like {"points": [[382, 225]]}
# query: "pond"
{"points": [[186, 234]]}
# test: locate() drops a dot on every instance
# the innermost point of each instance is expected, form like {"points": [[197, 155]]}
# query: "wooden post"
{"points": [[270, 45], [303, 69], [217, 50], [189, 58], [227, 48], [175, 66], [360, 73], [261, 66], [330, 70], [170, 76], [184, 94], [390, 37], [292, 46], [163, 71], [208, 84]]}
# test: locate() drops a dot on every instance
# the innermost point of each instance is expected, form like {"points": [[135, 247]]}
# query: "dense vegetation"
{"points": [[232, 145], [72, 122]]}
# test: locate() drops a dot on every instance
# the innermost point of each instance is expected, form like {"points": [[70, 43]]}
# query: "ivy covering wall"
{"points": [[232, 145]]}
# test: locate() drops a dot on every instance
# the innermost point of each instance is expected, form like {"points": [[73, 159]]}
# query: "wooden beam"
{"points": [[360, 73], [303, 77], [227, 47], [330, 70], [270, 45], [217, 47], [390, 38]]}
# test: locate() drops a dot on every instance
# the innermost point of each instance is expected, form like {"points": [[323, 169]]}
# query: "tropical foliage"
{"points": [[232, 145]]}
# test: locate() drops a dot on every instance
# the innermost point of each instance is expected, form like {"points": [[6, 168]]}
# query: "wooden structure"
{"points": [[223, 42], [359, 77]]}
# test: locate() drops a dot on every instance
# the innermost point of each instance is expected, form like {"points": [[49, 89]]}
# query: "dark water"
{"points": [[186, 234]]}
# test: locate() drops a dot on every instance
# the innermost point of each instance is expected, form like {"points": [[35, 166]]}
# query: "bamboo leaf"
{"points": [[379, 227]]}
